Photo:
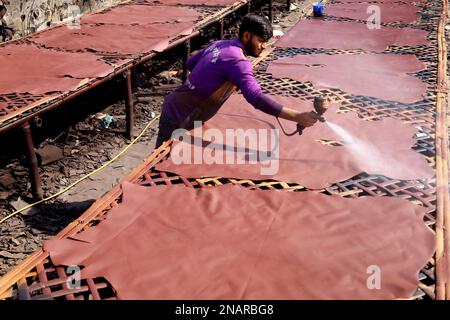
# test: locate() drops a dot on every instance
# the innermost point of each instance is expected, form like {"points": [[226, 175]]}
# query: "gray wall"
{"points": [[28, 16]]}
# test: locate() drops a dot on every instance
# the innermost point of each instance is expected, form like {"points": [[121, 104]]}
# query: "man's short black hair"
{"points": [[258, 25]]}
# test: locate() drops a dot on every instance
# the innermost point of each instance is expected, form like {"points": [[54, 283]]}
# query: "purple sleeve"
{"points": [[192, 61], [240, 73]]}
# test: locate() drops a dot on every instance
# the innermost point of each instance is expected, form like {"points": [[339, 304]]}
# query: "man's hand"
{"points": [[304, 119], [307, 119]]}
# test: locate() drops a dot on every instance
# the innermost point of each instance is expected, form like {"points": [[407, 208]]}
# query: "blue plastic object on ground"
{"points": [[318, 9], [107, 121]]}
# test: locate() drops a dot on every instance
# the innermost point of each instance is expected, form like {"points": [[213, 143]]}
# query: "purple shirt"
{"points": [[213, 70]]}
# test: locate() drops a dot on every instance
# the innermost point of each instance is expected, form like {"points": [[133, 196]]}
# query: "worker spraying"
{"points": [[213, 73]]}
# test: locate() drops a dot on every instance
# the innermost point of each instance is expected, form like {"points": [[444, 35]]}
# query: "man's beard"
{"points": [[251, 50]]}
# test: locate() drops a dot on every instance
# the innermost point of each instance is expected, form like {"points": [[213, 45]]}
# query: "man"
{"points": [[214, 71]]}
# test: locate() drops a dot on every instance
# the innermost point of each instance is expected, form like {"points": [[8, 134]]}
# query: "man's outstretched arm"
{"points": [[241, 74]]}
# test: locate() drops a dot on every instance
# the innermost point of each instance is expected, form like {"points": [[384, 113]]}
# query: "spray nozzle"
{"points": [[321, 105]]}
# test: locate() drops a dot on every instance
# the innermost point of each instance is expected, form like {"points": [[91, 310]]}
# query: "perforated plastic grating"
{"points": [[12, 102], [20, 101], [420, 114], [429, 17], [47, 281]]}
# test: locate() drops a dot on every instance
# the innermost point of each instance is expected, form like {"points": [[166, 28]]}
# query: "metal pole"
{"points": [[221, 29], [270, 11], [187, 53], [33, 169], [288, 5], [129, 106]]}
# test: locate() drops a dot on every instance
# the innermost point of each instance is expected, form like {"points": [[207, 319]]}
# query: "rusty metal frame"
{"points": [[129, 105], [442, 150], [48, 103], [33, 163]]}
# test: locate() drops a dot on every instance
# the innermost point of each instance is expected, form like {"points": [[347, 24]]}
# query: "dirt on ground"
{"points": [[89, 132]]}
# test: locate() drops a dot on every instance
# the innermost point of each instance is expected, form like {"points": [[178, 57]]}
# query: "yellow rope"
{"points": [[85, 177]]}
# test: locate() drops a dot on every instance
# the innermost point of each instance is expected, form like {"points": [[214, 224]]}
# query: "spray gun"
{"points": [[320, 106]]}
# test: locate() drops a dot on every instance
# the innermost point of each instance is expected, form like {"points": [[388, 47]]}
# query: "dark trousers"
{"points": [[166, 127]]}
